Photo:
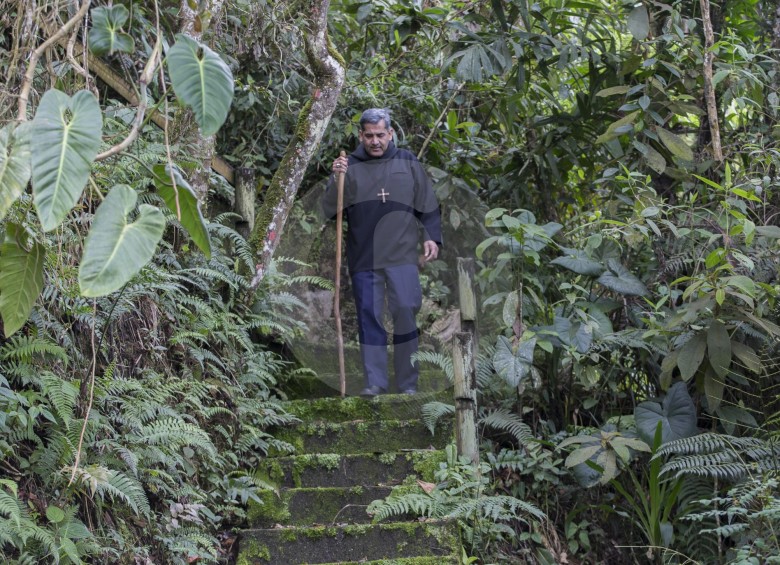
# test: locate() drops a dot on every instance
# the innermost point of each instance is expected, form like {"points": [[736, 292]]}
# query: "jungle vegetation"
{"points": [[616, 159]]}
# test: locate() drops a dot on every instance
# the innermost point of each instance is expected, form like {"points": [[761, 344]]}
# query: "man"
{"points": [[389, 207]]}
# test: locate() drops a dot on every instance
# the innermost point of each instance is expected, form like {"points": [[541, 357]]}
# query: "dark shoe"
{"points": [[409, 391], [371, 392]]}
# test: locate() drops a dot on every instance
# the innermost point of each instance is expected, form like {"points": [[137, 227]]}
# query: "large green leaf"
{"points": [[714, 386], [475, 63], [513, 365], [66, 132], [117, 249], [719, 348], [677, 414], [105, 35], [655, 160], [184, 204], [201, 80], [691, 355], [621, 280], [747, 356], [15, 165], [576, 334], [21, 281], [579, 262], [639, 22], [675, 144], [618, 127]]}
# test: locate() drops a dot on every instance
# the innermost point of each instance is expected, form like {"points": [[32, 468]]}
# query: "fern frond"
{"points": [[400, 505], [497, 508], [442, 361], [26, 349], [432, 412], [176, 433], [126, 488], [506, 421], [61, 393]]}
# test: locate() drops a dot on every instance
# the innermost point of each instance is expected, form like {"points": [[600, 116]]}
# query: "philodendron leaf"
{"points": [[15, 168], [621, 280], [578, 261], [201, 80], [21, 281], [719, 348], [116, 249], [677, 414], [513, 366], [184, 204], [66, 132], [106, 36]]}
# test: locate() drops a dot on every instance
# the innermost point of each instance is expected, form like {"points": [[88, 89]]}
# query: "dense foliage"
{"points": [[627, 269]]}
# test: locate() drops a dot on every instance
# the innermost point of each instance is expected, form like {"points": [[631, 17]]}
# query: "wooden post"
{"points": [[245, 200], [464, 363], [466, 293], [464, 368]]}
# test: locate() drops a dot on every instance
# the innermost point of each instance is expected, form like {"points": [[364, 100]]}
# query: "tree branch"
{"points": [[143, 81], [24, 95]]}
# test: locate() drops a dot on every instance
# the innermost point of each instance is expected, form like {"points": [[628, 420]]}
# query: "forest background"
{"points": [[613, 164]]}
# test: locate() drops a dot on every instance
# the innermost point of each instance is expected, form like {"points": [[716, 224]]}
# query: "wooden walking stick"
{"points": [[337, 284]]}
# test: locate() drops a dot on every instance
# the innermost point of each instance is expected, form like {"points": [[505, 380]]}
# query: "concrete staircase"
{"points": [[348, 453]]}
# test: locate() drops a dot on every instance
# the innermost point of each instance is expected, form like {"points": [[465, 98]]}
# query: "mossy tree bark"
{"points": [[329, 71]]}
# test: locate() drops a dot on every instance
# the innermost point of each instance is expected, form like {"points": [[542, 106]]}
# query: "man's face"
{"points": [[375, 138]]}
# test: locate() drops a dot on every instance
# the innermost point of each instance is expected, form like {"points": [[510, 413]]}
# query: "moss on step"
{"points": [[359, 543], [384, 407], [319, 505], [253, 552], [362, 436]]}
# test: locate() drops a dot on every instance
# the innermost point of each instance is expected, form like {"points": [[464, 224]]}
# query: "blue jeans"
{"points": [[401, 286]]}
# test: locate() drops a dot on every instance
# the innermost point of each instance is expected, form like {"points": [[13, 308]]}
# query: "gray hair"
{"points": [[374, 116]]}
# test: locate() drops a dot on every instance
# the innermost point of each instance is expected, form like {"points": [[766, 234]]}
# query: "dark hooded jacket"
{"points": [[389, 207]]}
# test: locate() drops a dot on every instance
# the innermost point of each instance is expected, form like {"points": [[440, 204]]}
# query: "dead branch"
{"points": [[24, 94]]}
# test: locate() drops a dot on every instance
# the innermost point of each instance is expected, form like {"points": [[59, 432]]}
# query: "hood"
{"points": [[361, 155]]}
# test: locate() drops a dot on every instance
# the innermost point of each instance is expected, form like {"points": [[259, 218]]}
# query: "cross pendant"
{"points": [[384, 195]]}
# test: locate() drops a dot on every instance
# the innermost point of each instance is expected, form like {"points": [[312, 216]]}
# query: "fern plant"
{"points": [[463, 493]]}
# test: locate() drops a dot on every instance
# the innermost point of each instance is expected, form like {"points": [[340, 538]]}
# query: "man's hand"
{"points": [[431, 251], [340, 165]]}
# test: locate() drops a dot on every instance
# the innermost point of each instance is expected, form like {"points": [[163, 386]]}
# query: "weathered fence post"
{"points": [[245, 195], [464, 364]]}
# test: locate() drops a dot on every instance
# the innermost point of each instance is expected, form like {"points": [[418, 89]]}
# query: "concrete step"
{"points": [[310, 506], [326, 384], [383, 407], [349, 470], [384, 436], [344, 544]]}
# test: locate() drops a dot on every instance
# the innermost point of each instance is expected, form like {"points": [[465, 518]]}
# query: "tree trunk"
{"points": [[329, 71], [709, 89]]}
